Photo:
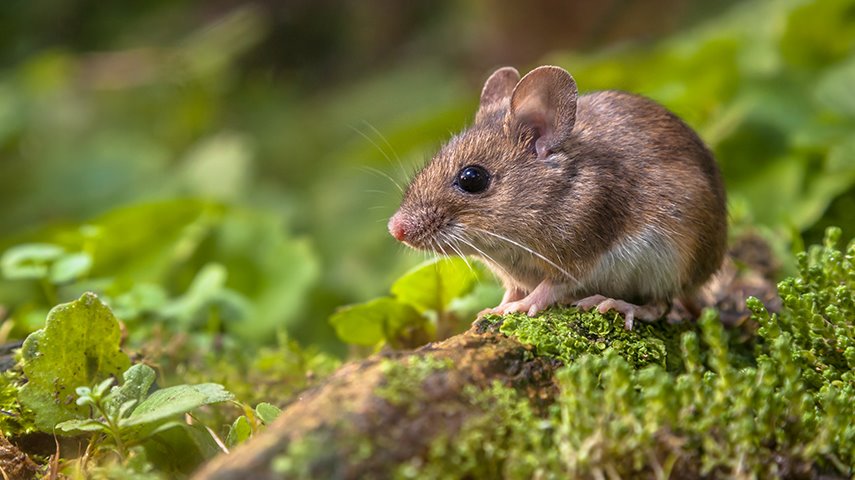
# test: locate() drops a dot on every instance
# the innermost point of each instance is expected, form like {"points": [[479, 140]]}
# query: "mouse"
{"points": [[604, 200]]}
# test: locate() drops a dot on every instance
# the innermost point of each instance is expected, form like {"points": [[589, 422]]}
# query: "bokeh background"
{"points": [[229, 166]]}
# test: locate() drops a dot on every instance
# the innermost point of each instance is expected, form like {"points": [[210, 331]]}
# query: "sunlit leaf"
{"points": [[434, 284], [374, 321], [169, 402], [137, 382], [239, 431], [79, 345], [267, 412]]}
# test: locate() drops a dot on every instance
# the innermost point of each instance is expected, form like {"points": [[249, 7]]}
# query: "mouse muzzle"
{"points": [[417, 227], [398, 228]]}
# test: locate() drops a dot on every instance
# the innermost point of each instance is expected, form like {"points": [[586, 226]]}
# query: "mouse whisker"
{"points": [[377, 171], [389, 145], [371, 141], [438, 245], [449, 241], [461, 237], [529, 250]]}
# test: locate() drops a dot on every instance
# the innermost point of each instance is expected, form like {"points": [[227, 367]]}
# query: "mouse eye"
{"points": [[473, 179]]}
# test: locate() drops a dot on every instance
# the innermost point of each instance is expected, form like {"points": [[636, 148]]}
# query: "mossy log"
{"points": [[371, 415]]}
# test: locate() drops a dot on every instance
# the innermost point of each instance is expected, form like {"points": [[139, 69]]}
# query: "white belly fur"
{"points": [[645, 265]]}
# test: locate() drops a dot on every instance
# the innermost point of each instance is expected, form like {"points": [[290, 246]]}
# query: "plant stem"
{"points": [[114, 429]]}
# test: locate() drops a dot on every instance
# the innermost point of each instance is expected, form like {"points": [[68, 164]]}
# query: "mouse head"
{"points": [[496, 178]]}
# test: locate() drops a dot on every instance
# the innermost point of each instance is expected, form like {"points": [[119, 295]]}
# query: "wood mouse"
{"points": [[604, 200]]}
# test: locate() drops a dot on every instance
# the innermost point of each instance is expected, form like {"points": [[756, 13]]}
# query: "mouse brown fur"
{"points": [[603, 200]]}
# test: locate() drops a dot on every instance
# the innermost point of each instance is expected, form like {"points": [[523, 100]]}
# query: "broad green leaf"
{"points": [[79, 346], [371, 322], [31, 260], [267, 412], [168, 402], [239, 431], [434, 284], [69, 267], [137, 381]]}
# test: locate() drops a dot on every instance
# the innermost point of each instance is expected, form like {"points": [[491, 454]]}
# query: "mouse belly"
{"points": [[642, 268]]}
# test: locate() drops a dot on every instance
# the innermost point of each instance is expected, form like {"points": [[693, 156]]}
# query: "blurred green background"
{"points": [[221, 167]]}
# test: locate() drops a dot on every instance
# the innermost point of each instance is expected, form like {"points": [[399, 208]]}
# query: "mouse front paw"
{"points": [[525, 305], [538, 300]]}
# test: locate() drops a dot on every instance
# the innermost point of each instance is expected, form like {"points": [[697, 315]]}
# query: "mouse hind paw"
{"points": [[648, 313]]}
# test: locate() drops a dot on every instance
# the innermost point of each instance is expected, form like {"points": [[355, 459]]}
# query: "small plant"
{"points": [[79, 345], [248, 424], [128, 415], [71, 366]]}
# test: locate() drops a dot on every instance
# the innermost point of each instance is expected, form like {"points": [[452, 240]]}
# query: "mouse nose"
{"points": [[396, 227]]}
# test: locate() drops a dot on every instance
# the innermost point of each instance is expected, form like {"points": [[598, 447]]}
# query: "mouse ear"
{"points": [[500, 85], [544, 103], [497, 89]]}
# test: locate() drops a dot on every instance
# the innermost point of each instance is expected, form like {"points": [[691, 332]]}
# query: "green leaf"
{"points": [[28, 261], [371, 322], [78, 346], [138, 381], [69, 267], [434, 284], [76, 427], [177, 449], [169, 402], [206, 286], [267, 412], [239, 431]]}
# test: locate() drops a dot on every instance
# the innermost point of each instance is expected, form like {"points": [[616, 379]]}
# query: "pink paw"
{"points": [[630, 311], [520, 306]]}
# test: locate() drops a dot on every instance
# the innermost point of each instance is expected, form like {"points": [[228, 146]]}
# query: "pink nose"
{"points": [[396, 227]]}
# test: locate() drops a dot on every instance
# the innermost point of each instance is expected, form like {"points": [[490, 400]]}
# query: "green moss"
{"points": [[402, 380], [15, 418], [567, 334], [507, 440], [321, 453]]}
